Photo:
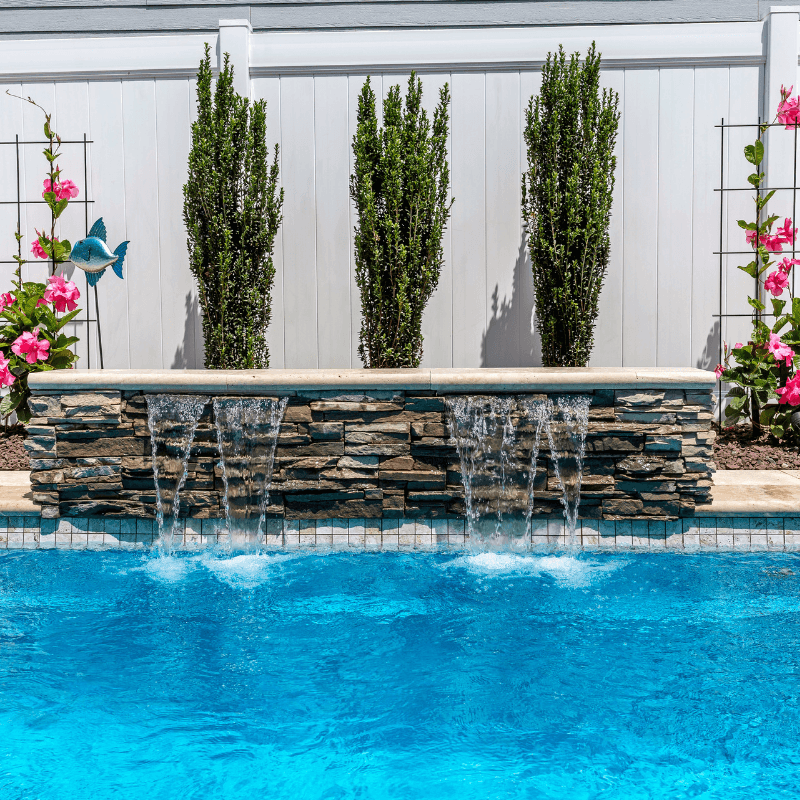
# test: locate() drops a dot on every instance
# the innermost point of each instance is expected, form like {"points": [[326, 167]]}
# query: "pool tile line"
{"points": [[736, 534]]}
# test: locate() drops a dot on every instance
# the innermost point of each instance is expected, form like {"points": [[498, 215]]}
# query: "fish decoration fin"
{"points": [[98, 229], [120, 253], [93, 277]]}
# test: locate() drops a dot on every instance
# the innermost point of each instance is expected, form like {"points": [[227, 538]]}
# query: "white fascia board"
{"points": [[287, 52], [103, 58]]}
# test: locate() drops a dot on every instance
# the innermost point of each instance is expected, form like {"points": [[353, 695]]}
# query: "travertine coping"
{"points": [[444, 381]]}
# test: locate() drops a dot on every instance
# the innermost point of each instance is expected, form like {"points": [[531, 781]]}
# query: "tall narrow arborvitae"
{"points": [[400, 189], [232, 210], [570, 132]]}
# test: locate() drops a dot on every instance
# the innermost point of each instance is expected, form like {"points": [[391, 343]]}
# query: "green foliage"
{"points": [[232, 210], [570, 132], [29, 313], [400, 187]]}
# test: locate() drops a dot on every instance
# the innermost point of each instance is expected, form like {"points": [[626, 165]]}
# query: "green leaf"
{"points": [[751, 269], [58, 210], [757, 304], [9, 403], [777, 306], [767, 414], [750, 154], [755, 178], [778, 431]]}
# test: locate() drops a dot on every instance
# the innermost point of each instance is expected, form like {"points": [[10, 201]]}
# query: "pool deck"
{"points": [[736, 493]]}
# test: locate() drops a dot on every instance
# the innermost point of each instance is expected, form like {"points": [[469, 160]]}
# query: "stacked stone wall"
{"points": [[379, 455]]}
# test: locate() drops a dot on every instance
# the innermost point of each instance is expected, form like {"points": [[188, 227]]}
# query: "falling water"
{"points": [[173, 421], [247, 434], [539, 413], [566, 433], [498, 441], [484, 430]]}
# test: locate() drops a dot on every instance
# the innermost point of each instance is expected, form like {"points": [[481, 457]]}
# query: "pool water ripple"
{"points": [[399, 676]]}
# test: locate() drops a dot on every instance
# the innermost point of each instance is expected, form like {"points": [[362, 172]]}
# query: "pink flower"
{"points": [[786, 265], [719, 370], [790, 394], [776, 282], [780, 350], [788, 111], [62, 294], [773, 242], [67, 190], [6, 378], [38, 250], [738, 345], [28, 344], [6, 299], [751, 237], [786, 232]]}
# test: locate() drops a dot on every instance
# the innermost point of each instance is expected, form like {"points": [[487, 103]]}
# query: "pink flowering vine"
{"points": [[63, 190], [790, 394], [29, 345], [780, 350], [62, 294], [776, 282], [6, 376], [788, 108]]}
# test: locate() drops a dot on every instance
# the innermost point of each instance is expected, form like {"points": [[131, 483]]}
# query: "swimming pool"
{"points": [[393, 675]]}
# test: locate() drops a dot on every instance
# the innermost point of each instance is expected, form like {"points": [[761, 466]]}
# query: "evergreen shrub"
{"points": [[400, 190], [570, 131], [232, 210]]}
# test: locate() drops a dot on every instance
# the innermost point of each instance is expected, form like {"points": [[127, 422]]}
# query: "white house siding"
{"points": [[134, 97]]}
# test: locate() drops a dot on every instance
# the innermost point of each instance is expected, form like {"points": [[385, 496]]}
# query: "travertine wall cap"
{"points": [[287, 381]]}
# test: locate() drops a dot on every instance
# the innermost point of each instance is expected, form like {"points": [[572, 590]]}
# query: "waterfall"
{"points": [[498, 441], [494, 476], [247, 435], [566, 433], [173, 420]]}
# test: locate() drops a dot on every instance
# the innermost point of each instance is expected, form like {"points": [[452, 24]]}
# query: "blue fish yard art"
{"points": [[93, 255]]}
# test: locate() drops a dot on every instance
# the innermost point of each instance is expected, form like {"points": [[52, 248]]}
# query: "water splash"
{"points": [[540, 413], [247, 435], [173, 420], [566, 433]]}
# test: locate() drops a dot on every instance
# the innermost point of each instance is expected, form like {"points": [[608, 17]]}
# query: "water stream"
{"points": [[498, 440], [247, 435], [173, 421]]}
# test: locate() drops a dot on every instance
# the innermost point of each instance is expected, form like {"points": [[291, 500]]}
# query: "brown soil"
{"points": [[12, 448], [735, 448]]}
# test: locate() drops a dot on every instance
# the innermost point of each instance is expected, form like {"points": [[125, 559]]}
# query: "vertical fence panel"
{"points": [[505, 259], [142, 268], [299, 221], [469, 218], [179, 304], [269, 89], [640, 182], [710, 105], [10, 127], [608, 331], [108, 191], [331, 167], [675, 167]]}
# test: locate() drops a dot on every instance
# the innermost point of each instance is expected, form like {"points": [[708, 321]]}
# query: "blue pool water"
{"points": [[399, 676]]}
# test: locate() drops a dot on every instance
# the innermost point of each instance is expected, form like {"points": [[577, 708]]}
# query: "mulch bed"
{"points": [[735, 448], [12, 448]]}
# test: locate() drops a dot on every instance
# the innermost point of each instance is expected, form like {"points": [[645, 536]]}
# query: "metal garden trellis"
{"points": [[722, 252], [19, 202]]}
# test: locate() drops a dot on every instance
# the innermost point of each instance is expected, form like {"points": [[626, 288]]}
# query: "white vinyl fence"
{"points": [[133, 97]]}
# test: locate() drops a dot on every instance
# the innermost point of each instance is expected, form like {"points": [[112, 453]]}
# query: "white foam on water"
{"points": [[166, 569], [244, 571], [568, 571]]}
